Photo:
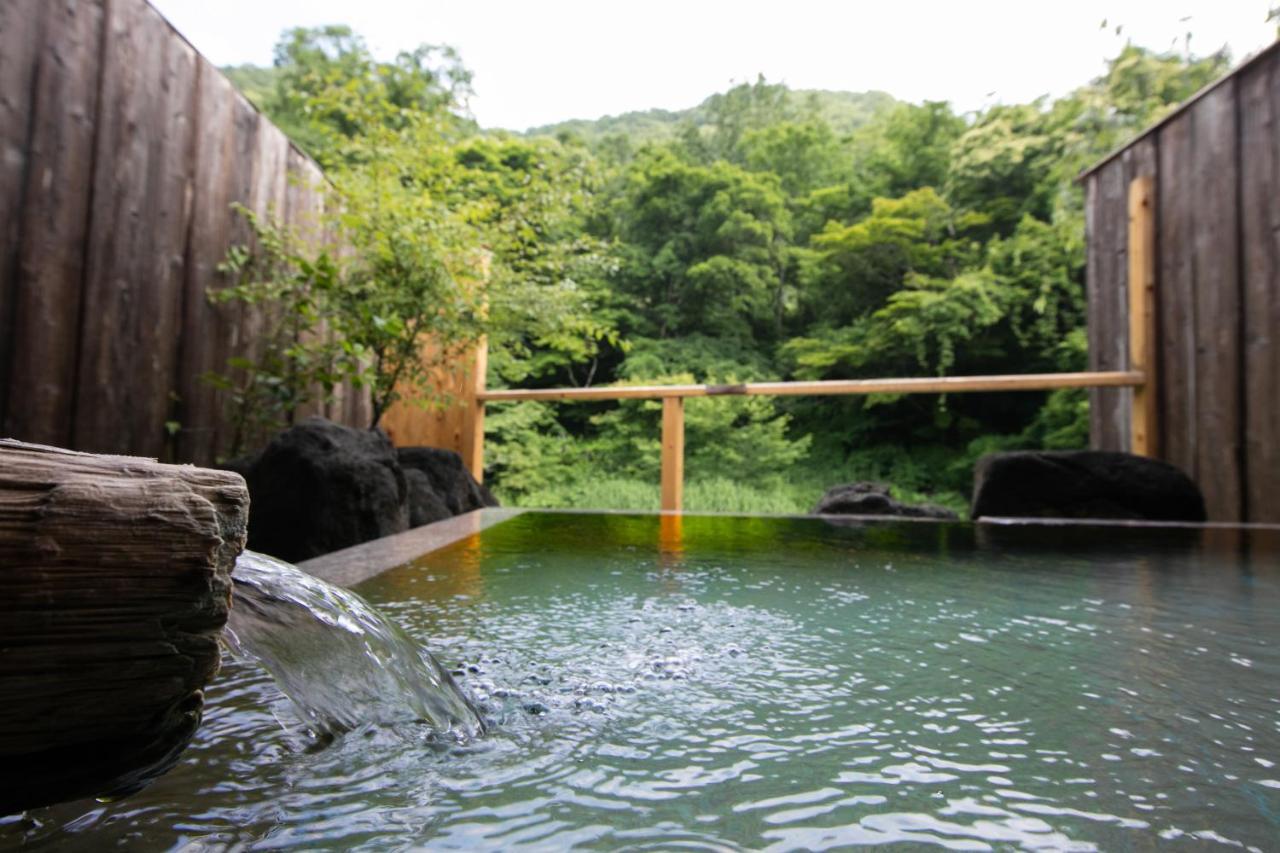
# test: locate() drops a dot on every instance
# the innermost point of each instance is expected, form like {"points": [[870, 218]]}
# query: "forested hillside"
{"points": [[843, 112], [765, 234]]}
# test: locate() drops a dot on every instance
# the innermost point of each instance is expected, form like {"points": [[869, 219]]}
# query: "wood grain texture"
{"points": [[1215, 242], [21, 35], [672, 454], [1144, 417], [412, 423], [1260, 235], [1108, 312], [137, 239], [227, 127], [831, 387], [121, 154], [1176, 307], [55, 210], [114, 588]]}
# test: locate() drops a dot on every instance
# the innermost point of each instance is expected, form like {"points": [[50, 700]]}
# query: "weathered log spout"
{"points": [[115, 583]]}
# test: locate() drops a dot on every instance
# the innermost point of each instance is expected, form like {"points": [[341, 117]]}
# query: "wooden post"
{"points": [[473, 430], [672, 453], [1144, 426]]}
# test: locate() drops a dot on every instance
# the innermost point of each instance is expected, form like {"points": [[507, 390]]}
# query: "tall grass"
{"points": [[915, 478]]}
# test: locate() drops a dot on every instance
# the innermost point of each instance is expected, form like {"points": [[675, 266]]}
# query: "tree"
{"points": [[702, 249], [328, 88], [861, 265]]}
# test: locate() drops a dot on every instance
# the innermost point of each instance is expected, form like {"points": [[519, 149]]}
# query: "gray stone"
{"points": [[873, 499]]}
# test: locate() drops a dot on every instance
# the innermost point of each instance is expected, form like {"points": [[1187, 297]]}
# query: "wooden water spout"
{"points": [[115, 582]]}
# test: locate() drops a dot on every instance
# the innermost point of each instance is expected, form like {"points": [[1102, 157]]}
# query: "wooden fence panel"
{"points": [[1107, 289], [1175, 297], [1215, 181], [1218, 288], [206, 329], [21, 36], [121, 154], [137, 242], [55, 205], [1260, 233]]}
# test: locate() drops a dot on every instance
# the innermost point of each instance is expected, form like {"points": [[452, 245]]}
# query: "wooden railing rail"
{"points": [[917, 385], [1140, 376]]}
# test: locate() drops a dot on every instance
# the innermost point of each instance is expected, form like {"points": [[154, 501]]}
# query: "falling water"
{"points": [[339, 660]]}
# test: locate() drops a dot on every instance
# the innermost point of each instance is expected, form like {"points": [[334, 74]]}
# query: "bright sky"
{"points": [[541, 61]]}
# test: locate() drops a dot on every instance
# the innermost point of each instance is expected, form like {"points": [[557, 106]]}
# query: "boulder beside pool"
{"points": [[874, 499], [450, 483], [115, 584], [319, 487], [1083, 484]]}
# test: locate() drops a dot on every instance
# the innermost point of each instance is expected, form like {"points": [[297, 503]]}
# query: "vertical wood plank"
{"points": [[47, 293], [1144, 421], [1093, 289], [1108, 305], [1215, 242], [227, 131], [267, 199], [1260, 240], [1176, 306], [672, 454], [21, 37], [137, 238]]}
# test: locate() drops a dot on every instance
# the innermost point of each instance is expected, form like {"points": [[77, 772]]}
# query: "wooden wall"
{"points": [[1216, 163], [121, 153]]}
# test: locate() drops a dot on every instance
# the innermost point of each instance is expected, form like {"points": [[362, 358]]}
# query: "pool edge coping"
{"points": [[358, 563]]}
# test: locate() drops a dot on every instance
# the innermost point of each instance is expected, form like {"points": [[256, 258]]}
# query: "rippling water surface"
{"points": [[721, 683]]}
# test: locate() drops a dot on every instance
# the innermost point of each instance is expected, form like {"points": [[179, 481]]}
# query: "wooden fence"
{"points": [[122, 151], [1214, 168]]}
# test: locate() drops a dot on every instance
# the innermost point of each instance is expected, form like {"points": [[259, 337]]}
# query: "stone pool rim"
{"points": [[351, 566]]}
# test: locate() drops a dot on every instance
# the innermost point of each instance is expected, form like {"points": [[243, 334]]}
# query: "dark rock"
{"points": [[318, 487], [449, 479], [1083, 484], [873, 499], [425, 506]]}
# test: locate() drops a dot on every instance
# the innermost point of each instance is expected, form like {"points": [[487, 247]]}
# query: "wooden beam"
{"points": [[473, 431], [1144, 424], [922, 385], [672, 454], [115, 584]]}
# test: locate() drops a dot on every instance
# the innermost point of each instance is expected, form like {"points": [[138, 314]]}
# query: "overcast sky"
{"points": [[541, 61]]}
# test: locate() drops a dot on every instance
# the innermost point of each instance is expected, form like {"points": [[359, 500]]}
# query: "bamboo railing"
{"points": [[1140, 376]]}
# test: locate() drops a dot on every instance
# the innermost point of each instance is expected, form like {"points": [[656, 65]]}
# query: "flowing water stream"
{"points": [[340, 661]]}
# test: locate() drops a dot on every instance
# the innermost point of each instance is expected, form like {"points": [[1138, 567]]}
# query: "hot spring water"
{"points": [[339, 660], [737, 683]]}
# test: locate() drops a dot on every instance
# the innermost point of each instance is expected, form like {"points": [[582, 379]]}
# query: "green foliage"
{"points": [[293, 289], [444, 238], [702, 249], [744, 438], [326, 88], [765, 234], [844, 112]]}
